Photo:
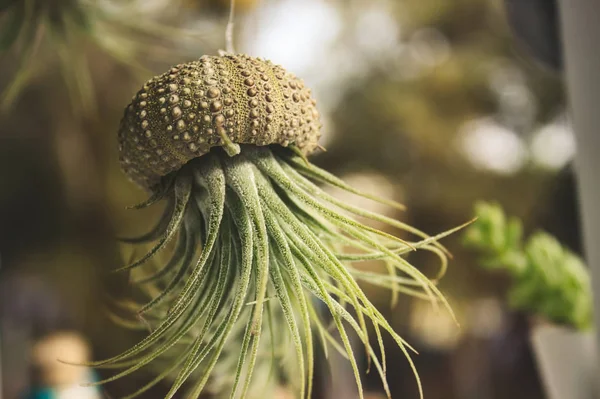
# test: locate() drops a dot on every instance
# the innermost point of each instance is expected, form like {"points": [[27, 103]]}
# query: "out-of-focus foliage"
{"points": [[35, 34], [547, 279]]}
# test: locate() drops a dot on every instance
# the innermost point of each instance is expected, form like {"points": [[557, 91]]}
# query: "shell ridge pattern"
{"points": [[181, 114]]}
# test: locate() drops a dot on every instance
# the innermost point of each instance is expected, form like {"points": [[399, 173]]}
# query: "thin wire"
{"points": [[229, 30]]}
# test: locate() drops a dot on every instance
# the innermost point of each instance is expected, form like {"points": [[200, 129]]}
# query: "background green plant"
{"points": [[547, 279]]}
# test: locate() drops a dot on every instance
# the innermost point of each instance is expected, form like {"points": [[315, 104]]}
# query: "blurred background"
{"points": [[434, 103]]}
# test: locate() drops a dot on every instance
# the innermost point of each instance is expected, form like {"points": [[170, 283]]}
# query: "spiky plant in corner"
{"points": [[68, 27], [259, 245], [548, 280]]}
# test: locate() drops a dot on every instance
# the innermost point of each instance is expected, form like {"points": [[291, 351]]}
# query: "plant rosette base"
{"points": [[566, 360]]}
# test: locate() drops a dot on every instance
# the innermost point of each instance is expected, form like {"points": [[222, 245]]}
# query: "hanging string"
{"points": [[229, 30]]}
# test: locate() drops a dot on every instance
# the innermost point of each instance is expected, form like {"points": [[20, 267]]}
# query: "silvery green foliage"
{"points": [[261, 251], [40, 33]]}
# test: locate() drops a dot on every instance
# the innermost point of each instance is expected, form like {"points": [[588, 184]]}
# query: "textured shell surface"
{"points": [[183, 113]]}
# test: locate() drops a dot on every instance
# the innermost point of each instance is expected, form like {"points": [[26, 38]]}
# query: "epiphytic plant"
{"points": [[258, 243], [68, 27]]}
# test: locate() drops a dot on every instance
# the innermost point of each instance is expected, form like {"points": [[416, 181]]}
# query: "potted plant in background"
{"points": [[552, 285]]}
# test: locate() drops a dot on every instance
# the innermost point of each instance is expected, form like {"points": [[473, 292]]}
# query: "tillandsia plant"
{"points": [[259, 246], [67, 27], [548, 280]]}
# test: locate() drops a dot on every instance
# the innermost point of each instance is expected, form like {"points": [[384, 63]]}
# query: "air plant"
{"points": [[68, 28], [263, 256]]}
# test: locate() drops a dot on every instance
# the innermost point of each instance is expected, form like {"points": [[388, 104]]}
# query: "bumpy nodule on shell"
{"points": [[181, 114]]}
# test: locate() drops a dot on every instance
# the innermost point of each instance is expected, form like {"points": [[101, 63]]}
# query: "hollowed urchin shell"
{"points": [[182, 113]]}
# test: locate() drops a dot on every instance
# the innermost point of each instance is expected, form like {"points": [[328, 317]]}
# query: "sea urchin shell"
{"points": [[182, 113]]}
